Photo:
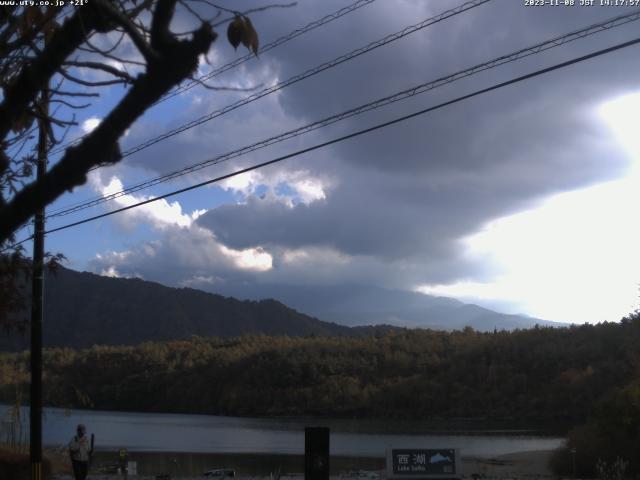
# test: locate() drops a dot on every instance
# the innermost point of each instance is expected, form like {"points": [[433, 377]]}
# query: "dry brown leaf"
{"points": [[250, 39], [241, 30], [235, 32]]}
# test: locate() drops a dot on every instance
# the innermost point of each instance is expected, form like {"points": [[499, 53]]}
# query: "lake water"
{"points": [[161, 432]]}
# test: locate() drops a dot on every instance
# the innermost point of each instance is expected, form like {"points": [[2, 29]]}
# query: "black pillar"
{"points": [[316, 453], [37, 288]]}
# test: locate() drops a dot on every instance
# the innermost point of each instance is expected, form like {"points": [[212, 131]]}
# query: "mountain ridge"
{"points": [[83, 309], [357, 305]]}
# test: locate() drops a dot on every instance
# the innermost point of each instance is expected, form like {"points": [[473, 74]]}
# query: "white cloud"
{"points": [[110, 272], [187, 257], [312, 257], [436, 185], [115, 64], [295, 256], [286, 186], [197, 247], [160, 214], [575, 258], [115, 256], [622, 116], [244, 183], [249, 259], [111, 261], [201, 281], [90, 124], [309, 189], [197, 213]]}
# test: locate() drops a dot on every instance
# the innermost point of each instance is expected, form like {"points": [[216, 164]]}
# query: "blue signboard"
{"points": [[423, 463]]}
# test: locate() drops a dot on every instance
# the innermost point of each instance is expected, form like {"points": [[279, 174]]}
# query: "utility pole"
{"points": [[37, 289]]}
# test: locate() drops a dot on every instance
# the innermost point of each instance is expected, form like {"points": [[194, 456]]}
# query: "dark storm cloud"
{"points": [[410, 192], [425, 183], [480, 34], [362, 216]]}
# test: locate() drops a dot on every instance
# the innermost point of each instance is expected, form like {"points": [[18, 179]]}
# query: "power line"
{"points": [[13, 246], [402, 95], [337, 61], [296, 78], [309, 73], [249, 56], [362, 132], [270, 46]]}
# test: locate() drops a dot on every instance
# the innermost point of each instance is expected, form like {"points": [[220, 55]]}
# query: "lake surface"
{"points": [[162, 432]]}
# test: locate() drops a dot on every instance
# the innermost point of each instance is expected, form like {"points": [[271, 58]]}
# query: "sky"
{"points": [[522, 200]]}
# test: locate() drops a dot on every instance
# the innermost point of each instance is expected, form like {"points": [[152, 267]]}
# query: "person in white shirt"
{"points": [[80, 452]]}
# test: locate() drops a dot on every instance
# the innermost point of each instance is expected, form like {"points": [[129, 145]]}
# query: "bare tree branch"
{"points": [[101, 66], [73, 94], [27, 69], [95, 49], [161, 36], [69, 104], [53, 120], [35, 76], [88, 83], [126, 23], [222, 88], [253, 10], [176, 61]]}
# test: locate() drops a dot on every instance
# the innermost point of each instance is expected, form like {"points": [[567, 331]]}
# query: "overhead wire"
{"points": [[396, 97], [240, 60], [308, 73], [379, 126], [311, 72], [327, 65], [269, 46]]}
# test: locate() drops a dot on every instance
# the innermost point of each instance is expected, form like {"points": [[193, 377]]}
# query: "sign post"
{"points": [[423, 463], [316, 453]]}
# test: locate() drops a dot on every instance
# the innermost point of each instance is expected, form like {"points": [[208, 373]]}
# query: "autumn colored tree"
{"points": [[538, 378]]}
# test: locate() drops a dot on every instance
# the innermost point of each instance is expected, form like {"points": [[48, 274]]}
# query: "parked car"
{"points": [[361, 474], [220, 473]]}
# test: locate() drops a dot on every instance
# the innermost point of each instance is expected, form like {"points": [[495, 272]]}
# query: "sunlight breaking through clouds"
{"points": [[576, 257], [164, 215], [622, 116], [250, 258]]}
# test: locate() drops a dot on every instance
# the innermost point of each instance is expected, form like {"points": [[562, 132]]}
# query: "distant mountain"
{"points": [[83, 309], [367, 305]]}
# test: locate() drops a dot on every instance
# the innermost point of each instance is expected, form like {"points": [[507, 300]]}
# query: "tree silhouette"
{"points": [[55, 59]]}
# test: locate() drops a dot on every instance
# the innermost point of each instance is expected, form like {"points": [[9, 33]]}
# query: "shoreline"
{"points": [[192, 465]]}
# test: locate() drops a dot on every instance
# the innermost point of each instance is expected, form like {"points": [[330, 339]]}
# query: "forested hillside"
{"points": [[83, 309], [530, 375]]}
